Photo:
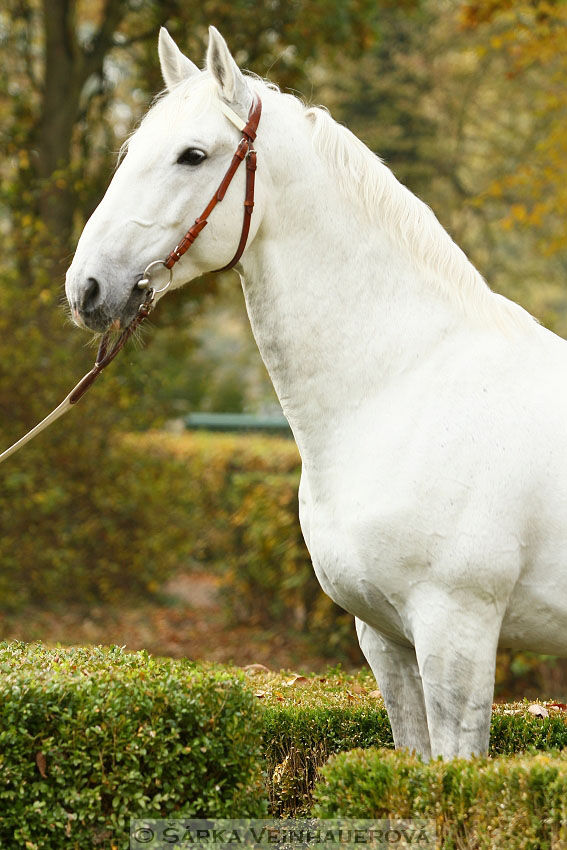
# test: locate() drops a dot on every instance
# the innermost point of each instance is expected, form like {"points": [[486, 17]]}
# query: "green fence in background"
{"points": [[276, 424]]}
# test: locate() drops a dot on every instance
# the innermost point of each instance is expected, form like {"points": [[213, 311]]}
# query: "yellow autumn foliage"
{"points": [[532, 37]]}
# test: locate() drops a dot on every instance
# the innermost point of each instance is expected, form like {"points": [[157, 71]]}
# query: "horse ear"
{"points": [[230, 79], [174, 65]]}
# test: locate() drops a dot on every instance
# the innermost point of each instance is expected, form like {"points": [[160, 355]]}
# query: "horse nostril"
{"points": [[90, 295]]}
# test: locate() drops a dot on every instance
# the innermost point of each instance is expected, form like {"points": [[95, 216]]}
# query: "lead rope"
{"points": [[106, 353], [103, 358]]}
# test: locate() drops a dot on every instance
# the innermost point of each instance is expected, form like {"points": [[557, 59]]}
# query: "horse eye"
{"points": [[191, 156]]}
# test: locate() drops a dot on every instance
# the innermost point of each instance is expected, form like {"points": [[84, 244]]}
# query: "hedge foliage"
{"points": [[309, 719], [161, 503], [240, 502], [90, 530], [515, 802], [92, 737]]}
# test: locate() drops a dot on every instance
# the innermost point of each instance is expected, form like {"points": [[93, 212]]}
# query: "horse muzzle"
{"points": [[97, 308]]}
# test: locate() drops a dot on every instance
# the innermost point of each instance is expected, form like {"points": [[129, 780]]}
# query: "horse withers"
{"points": [[430, 413]]}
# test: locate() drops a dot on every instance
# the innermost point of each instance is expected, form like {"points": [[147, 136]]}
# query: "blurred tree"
{"points": [[477, 135], [532, 39], [75, 75]]}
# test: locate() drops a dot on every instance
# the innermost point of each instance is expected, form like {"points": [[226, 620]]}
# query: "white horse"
{"points": [[430, 413]]}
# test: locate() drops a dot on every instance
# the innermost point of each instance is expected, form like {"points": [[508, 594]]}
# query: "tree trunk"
{"points": [[59, 108], [68, 65]]}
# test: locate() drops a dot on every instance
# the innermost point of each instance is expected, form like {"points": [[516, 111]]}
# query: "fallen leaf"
{"points": [[298, 680], [538, 710], [279, 696], [253, 669], [560, 706], [41, 762], [375, 694], [280, 770], [260, 694], [350, 696], [358, 689]]}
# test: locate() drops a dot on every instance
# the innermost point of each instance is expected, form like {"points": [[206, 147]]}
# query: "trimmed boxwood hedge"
{"points": [[92, 737], [306, 722], [307, 719], [513, 802]]}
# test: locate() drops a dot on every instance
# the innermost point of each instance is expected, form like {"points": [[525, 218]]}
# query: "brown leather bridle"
{"points": [[106, 354], [244, 151]]}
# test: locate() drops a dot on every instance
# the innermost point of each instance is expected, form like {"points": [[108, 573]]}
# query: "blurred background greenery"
{"points": [[191, 544]]}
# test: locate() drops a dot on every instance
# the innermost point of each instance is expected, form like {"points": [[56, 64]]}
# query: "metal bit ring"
{"points": [[145, 281]]}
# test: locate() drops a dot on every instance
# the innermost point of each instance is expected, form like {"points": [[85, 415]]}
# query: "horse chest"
{"points": [[348, 587], [363, 581]]}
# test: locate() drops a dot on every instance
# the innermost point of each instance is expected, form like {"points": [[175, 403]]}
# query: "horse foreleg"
{"points": [[396, 671], [456, 654]]}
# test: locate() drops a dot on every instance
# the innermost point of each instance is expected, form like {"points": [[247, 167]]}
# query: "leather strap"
{"points": [[244, 151], [248, 208], [104, 356]]}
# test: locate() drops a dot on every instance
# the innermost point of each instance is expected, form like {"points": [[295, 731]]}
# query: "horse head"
{"points": [[171, 166]]}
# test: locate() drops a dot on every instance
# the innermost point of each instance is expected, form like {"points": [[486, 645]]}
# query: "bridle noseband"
{"points": [[244, 151], [106, 353]]}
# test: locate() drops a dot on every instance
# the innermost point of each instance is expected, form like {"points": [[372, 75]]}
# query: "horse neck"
{"points": [[338, 311]]}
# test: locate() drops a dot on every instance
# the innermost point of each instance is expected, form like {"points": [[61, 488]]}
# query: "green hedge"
{"points": [[108, 525], [92, 737], [84, 533], [306, 722], [244, 524], [515, 802]]}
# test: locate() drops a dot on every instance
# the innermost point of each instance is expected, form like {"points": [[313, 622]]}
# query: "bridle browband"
{"points": [[105, 353]]}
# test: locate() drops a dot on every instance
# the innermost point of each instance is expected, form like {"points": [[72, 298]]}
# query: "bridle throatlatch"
{"points": [[106, 353]]}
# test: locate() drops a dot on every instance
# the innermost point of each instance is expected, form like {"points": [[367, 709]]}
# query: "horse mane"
{"points": [[363, 176]]}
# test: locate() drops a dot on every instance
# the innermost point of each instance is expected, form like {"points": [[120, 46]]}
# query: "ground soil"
{"points": [[188, 622]]}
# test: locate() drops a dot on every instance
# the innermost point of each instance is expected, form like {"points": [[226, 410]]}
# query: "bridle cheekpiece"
{"points": [[244, 151]]}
